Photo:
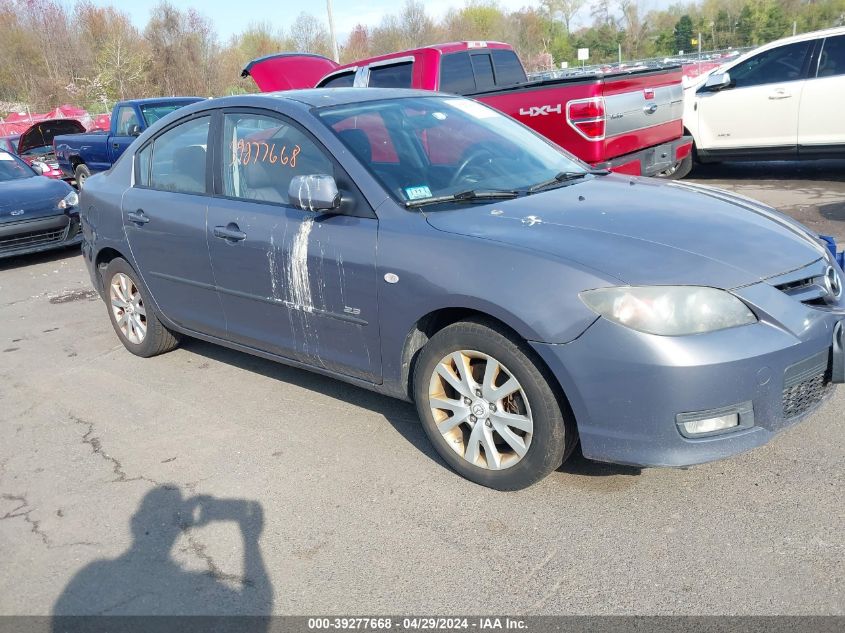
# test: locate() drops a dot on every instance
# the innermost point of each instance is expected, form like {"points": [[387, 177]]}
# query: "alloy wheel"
{"points": [[481, 409], [128, 308]]}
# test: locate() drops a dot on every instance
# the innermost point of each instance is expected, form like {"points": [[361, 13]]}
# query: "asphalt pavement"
{"points": [[210, 481]]}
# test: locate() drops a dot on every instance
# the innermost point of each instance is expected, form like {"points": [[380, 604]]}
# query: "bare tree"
{"points": [[567, 9], [309, 35]]}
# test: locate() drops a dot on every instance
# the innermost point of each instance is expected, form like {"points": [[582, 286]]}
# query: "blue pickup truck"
{"points": [[80, 155]]}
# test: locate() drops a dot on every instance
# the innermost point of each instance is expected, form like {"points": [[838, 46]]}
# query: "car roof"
{"points": [[322, 97]]}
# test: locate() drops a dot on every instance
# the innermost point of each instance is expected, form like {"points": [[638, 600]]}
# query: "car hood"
{"points": [[642, 231], [30, 198], [44, 132]]}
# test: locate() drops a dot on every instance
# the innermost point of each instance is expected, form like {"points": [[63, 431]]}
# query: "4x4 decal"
{"points": [[541, 110]]}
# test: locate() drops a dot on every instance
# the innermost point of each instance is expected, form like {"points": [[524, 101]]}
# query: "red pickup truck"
{"points": [[630, 122]]}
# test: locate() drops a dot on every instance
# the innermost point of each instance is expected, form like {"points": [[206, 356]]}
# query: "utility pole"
{"points": [[620, 52], [331, 31], [794, 27]]}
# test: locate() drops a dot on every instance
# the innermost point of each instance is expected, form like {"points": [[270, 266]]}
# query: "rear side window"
{"points": [[482, 66], [344, 80], [393, 76], [508, 69], [776, 65], [456, 74], [832, 59], [178, 160]]}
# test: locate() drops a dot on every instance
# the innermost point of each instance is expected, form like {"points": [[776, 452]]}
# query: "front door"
{"points": [[760, 108], [127, 119], [165, 219], [294, 283]]}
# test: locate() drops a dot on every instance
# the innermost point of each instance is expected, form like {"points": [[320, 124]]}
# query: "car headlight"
{"points": [[669, 310], [70, 200]]}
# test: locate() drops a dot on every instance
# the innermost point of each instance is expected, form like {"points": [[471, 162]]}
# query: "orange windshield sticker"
{"points": [[252, 152]]}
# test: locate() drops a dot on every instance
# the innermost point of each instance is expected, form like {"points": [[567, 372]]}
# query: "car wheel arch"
{"points": [[429, 324]]}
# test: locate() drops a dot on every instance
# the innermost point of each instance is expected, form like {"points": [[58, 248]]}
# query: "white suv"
{"points": [[781, 101]]}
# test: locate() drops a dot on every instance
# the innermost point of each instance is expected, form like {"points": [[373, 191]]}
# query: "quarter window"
{"points": [[392, 76], [262, 154], [142, 173], [832, 59], [777, 65], [126, 118], [178, 161]]}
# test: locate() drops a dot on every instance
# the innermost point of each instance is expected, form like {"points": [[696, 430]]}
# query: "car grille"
{"points": [[33, 238], [806, 385], [809, 290]]}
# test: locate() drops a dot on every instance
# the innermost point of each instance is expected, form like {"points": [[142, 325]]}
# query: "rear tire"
{"points": [[506, 442], [132, 313], [678, 170], [81, 174]]}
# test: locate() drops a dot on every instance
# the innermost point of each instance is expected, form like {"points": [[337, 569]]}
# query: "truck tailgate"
{"points": [[642, 111]]}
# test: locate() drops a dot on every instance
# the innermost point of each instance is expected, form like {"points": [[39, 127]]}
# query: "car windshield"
{"points": [[153, 113], [421, 148], [37, 151], [12, 168]]}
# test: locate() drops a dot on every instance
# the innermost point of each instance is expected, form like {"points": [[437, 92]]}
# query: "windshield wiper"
{"points": [[565, 176], [469, 195]]}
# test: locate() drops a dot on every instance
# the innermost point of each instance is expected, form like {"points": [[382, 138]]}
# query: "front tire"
{"points": [[81, 174], [132, 314], [489, 408]]}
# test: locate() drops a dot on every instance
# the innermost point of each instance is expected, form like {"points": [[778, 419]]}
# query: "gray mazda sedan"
{"points": [[432, 249]]}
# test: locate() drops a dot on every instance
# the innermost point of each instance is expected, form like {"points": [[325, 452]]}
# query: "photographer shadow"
{"points": [[147, 581]]}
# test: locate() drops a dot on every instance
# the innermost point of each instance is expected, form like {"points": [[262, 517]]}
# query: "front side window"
{"points": [[392, 76], [262, 154], [126, 118], [446, 145], [776, 65], [832, 58], [178, 160]]}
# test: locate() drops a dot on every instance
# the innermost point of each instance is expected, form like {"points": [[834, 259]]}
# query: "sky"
{"points": [[233, 16]]}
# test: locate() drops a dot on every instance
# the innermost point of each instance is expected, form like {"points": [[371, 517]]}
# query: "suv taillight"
{"points": [[587, 117]]}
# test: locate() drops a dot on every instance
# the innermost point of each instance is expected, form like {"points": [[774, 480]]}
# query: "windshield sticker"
{"points": [[251, 152], [5, 156], [417, 193], [473, 108]]}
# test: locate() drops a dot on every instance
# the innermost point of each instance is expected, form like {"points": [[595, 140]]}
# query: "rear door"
{"points": [[164, 215], [821, 126], [293, 283], [760, 108], [127, 117]]}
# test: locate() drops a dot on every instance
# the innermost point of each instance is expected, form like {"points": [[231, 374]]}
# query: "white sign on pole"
{"points": [[583, 54], [564, 64]]}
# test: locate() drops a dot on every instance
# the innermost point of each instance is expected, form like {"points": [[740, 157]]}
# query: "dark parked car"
{"points": [[36, 213], [431, 248]]}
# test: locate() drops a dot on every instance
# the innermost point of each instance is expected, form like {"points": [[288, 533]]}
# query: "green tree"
{"points": [[683, 33]]}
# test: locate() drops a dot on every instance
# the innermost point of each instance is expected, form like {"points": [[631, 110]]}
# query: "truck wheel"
{"points": [[488, 408], [678, 170], [81, 174], [132, 314]]}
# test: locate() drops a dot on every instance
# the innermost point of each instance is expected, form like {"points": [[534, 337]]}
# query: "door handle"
{"points": [[780, 94], [116, 145], [230, 232], [138, 217], [650, 109]]}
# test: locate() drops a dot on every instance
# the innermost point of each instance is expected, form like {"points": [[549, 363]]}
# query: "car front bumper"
{"points": [[40, 234], [627, 389]]}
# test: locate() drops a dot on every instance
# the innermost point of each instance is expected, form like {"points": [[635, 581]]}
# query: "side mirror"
{"points": [[134, 130], [717, 81], [315, 192], [40, 168]]}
